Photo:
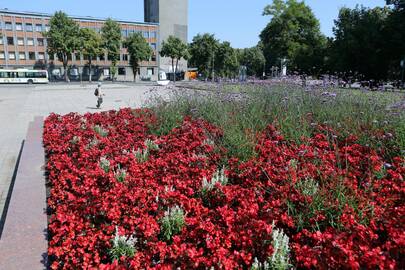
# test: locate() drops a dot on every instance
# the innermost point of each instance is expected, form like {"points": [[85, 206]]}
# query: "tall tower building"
{"points": [[172, 16]]}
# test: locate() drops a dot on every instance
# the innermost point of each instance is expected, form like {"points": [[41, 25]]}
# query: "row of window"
{"points": [[40, 42], [29, 27], [41, 56], [22, 56], [145, 34], [22, 41]]}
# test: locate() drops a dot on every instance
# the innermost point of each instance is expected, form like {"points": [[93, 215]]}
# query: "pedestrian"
{"points": [[99, 94]]}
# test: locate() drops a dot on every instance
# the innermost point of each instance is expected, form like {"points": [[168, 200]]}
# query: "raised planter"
{"points": [[23, 243]]}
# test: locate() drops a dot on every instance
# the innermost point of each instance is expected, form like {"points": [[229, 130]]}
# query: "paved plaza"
{"points": [[20, 104]]}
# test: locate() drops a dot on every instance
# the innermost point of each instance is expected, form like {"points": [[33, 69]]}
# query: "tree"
{"points": [[202, 50], [253, 59], [293, 33], [111, 36], [226, 59], [360, 42], [90, 45], [176, 49], [63, 38], [138, 50]]}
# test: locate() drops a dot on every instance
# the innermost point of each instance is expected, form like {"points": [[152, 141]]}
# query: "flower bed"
{"points": [[124, 198]]}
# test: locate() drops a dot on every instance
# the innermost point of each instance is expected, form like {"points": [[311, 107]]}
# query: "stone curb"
{"points": [[24, 243]]}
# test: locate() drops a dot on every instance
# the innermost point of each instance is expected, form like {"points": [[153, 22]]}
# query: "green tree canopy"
{"points": [[293, 33], [226, 60], [202, 50], [63, 38], [360, 41], [138, 50], [176, 49], [90, 45], [253, 59], [111, 36]]}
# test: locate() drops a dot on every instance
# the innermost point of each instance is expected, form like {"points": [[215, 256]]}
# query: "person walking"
{"points": [[99, 94]]}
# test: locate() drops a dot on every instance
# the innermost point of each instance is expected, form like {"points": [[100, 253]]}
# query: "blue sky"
{"points": [[237, 21]]}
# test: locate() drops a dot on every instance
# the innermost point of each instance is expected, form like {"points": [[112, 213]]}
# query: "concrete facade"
{"points": [[172, 16]]}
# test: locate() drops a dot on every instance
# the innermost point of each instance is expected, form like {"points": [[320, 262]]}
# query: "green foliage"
{"points": [[63, 37], [280, 260], [142, 155], [138, 50], [226, 61], [243, 111], [176, 49], [122, 246], [120, 174], [253, 59], [90, 45], [172, 223], [151, 145], [219, 177], [202, 50], [100, 131], [111, 37], [293, 33], [308, 187], [105, 164], [359, 41]]}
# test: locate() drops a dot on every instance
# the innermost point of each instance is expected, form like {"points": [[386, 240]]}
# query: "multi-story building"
{"points": [[22, 45], [172, 17]]}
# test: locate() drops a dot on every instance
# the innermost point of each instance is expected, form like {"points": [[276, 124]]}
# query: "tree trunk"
{"points": [[174, 72], [65, 63], [90, 69], [177, 64], [134, 70]]}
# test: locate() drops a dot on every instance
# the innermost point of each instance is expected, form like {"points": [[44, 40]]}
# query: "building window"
{"points": [[153, 58], [30, 41], [20, 41], [77, 56], [101, 57], [41, 56], [125, 57], [28, 27], [9, 26], [151, 71], [47, 28], [38, 27], [40, 41], [2, 56], [124, 33], [31, 55], [10, 40], [18, 27], [153, 34], [146, 34], [21, 56], [11, 55], [1, 41], [122, 71], [153, 45]]}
